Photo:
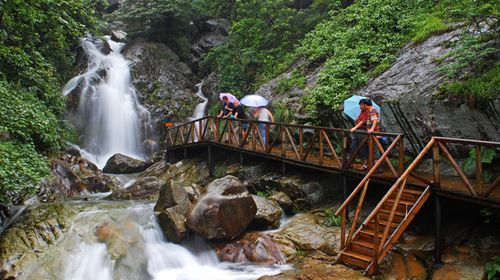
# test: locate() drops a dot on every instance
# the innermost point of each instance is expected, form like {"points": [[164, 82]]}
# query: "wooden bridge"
{"points": [[363, 244]]}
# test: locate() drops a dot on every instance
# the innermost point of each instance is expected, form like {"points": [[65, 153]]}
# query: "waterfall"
{"points": [[132, 246], [199, 110], [108, 116]]}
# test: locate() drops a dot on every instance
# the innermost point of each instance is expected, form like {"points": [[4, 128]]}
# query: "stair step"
{"points": [[382, 223], [362, 247], [413, 191], [356, 259], [401, 201], [388, 212], [363, 243], [370, 232]]}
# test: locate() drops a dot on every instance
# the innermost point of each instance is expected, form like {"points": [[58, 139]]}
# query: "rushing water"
{"points": [[136, 249], [109, 116]]}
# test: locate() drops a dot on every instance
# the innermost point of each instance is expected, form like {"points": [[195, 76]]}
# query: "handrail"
{"points": [[368, 175]]}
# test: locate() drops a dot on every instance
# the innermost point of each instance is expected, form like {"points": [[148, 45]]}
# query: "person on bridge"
{"points": [[369, 120], [239, 113], [263, 115], [227, 108]]}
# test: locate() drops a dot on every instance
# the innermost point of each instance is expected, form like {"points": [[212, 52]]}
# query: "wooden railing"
{"points": [[320, 146], [434, 180]]}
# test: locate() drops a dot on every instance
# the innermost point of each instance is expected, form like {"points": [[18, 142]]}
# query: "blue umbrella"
{"points": [[351, 106]]}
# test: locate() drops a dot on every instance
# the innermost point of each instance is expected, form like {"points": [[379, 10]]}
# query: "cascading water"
{"points": [[199, 110], [109, 116], [123, 240]]}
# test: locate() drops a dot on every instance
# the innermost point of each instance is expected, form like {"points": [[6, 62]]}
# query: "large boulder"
{"points": [[171, 209], [253, 248], [224, 211], [268, 213], [306, 232], [122, 164], [146, 188]]}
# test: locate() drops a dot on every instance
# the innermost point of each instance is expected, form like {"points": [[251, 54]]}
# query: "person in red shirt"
{"points": [[369, 120]]}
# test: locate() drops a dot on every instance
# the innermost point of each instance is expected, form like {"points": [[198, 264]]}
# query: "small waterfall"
{"points": [[132, 246], [108, 115], [200, 109]]}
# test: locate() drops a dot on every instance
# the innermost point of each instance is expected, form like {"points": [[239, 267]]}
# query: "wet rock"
{"points": [[116, 237], [459, 271], [224, 211], [38, 227], [318, 266], [268, 213], [157, 169], [172, 194], [118, 35], [122, 164], [396, 266], [252, 248], [147, 188], [173, 224], [172, 208], [194, 191], [282, 199], [307, 234], [66, 176], [165, 84]]}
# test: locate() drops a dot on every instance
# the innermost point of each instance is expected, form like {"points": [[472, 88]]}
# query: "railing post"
{"points": [[283, 141], [370, 151], [344, 150], [437, 237], [301, 142], [479, 171], [210, 162], [436, 165], [401, 156], [376, 245], [320, 148], [342, 229], [266, 145]]}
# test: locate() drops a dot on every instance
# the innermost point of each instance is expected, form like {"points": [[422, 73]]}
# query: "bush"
{"points": [[427, 26], [21, 168]]}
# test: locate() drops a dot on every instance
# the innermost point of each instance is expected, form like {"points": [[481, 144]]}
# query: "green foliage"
{"points": [[27, 119], [483, 86], [353, 41], [492, 268], [37, 43], [21, 168], [282, 112], [331, 219], [487, 158], [427, 26], [262, 194], [220, 171], [262, 39], [296, 79], [214, 109]]}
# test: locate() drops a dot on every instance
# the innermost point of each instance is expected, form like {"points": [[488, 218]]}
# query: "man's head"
{"points": [[236, 103], [365, 103], [225, 100]]}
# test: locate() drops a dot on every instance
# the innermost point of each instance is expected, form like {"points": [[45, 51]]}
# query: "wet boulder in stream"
{"points": [[122, 164], [224, 211], [171, 209]]}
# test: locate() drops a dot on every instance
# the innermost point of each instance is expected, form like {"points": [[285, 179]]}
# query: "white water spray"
{"points": [[109, 116]]}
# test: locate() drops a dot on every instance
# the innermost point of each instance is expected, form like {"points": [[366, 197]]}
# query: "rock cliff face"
{"points": [[165, 84], [408, 94]]}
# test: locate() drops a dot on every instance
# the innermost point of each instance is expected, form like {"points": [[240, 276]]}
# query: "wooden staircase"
{"points": [[374, 238], [369, 242]]}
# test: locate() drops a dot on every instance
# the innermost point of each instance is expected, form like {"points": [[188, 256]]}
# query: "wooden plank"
{"points": [[457, 168], [479, 171], [292, 143], [361, 200], [330, 146], [387, 161], [320, 147]]}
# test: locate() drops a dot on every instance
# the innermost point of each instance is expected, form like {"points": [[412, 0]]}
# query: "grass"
{"points": [[484, 86], [428, 25]]}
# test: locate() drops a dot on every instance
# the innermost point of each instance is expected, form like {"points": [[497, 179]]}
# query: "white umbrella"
{"points": [[254, 100]]}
